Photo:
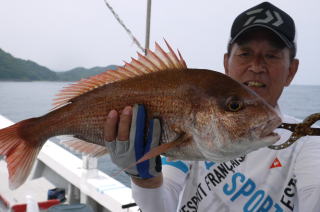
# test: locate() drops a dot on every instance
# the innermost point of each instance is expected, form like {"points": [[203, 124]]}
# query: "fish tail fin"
{"points": [[20, 146]]}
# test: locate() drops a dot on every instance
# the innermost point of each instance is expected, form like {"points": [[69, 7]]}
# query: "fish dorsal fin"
{"points": [[155, 61]]}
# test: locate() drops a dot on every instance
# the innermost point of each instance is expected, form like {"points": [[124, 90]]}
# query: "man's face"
{"points": [[261, 66]]}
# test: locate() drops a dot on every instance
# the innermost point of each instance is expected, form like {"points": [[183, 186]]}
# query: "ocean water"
{"points": [[22, 100]]}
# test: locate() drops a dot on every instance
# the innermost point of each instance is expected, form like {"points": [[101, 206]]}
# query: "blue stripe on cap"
{"points": [[177, 164]]}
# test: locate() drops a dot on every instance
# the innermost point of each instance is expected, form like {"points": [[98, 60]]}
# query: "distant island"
{"points": [[15, 69]]}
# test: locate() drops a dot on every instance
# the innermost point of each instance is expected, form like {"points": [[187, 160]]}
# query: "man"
{"points": [[261, 55]]}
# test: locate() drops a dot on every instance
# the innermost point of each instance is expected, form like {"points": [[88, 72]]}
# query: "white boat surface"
{"points": [[58, 168]]}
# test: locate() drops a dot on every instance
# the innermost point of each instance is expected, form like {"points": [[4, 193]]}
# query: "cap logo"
{"points": [[269, 17]]}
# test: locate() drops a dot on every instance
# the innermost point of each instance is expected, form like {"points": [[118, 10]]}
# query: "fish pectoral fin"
{"points": [[84, 147], [184, 137]]}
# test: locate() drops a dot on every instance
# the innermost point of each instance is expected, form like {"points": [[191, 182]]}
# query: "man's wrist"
{"points": [[154, 182]]}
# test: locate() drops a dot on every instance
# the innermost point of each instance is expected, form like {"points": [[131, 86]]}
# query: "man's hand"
{"points": [[128, 143]]}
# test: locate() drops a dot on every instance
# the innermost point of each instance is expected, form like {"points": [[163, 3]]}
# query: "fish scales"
{"points": [[160, 100]]}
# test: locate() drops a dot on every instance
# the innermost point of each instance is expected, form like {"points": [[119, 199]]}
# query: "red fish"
{"points": [[205, 115]]}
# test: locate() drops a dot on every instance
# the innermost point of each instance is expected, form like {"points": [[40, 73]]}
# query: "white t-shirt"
{"points": [[265, 180]]}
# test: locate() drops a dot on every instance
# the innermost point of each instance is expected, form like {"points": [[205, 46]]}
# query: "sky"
{"points": [[64, 34]]}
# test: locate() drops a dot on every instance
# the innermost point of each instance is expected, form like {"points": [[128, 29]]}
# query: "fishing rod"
{"points": [[147, 41], [134, 39]]}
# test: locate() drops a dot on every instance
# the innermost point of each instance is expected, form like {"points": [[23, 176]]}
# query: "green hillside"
{"points": [[79, 73], [12, 68], [15, 69]]}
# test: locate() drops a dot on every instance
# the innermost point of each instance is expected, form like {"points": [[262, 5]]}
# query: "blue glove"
{"points": [[125, 153]]}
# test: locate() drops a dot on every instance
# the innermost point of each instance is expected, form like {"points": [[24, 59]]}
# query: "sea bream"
{"points": [[205, 115]]}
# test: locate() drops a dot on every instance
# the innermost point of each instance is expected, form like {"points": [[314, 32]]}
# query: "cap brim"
{"points": [[282, 37]]}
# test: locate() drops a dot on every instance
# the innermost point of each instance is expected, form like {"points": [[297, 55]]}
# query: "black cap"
{"points": [[268, 16]]}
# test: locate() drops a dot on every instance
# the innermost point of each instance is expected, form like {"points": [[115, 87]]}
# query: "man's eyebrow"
{"points": [[275, 50], [244, 47]]}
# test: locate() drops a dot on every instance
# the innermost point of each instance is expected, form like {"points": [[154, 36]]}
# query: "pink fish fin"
{"points": [[161, 149], [155, 61], [81, 146], [164, 57], [178, 62], [20, 150], [183, 138], [148, 63], [139, 66], [155, 58]]}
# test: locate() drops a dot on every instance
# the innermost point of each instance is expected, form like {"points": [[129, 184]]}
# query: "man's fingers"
{"points": [[118, 128], [124, 124], [111, 125]]}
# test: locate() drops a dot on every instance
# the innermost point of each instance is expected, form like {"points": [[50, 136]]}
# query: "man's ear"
{"points": [[292, 71], [225, 63]]}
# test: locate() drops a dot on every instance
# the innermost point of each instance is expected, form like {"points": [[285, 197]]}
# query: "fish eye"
{"points": [[234, 104]]}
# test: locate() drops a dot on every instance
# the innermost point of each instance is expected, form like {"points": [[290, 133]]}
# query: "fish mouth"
{"points": [[256, 84], [267, 131], [264, 132], [271, 134], [271, 137]]}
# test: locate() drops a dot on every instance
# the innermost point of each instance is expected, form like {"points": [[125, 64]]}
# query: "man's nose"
{"points": [[258, 64]]}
